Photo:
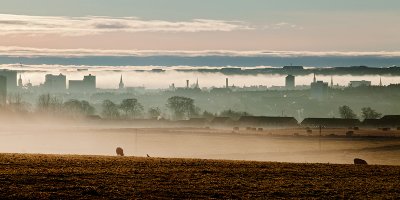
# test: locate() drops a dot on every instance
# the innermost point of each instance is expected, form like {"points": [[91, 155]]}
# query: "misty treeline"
{"points": [[178, 108], [174, 108], [366, 113]]}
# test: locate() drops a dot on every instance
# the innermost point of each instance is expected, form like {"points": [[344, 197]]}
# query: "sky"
{"points": [[186, 25]]}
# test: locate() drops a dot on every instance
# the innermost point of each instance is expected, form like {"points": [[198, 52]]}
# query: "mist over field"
{"points": [[50, 136]]}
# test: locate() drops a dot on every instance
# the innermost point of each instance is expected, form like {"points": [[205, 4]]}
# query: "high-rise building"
{"points": [[11, 77], [55, 83], [88, 84], [319, 90], [3, 90], [290, 82]]}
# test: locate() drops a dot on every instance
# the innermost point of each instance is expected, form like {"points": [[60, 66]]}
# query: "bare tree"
{"points": [[49, 104]]}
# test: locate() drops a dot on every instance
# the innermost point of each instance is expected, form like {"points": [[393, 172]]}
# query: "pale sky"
{"points": [[188, 25]]}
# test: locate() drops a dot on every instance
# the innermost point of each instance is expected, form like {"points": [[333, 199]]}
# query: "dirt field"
{"points": [[102, 177]]}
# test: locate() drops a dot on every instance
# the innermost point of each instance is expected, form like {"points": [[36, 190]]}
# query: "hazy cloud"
{"points": [[38, 52], [283, 25], [76, 26]]}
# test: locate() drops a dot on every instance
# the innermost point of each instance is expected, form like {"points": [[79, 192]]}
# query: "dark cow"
{"points": [[119, 151], [358, 161]]}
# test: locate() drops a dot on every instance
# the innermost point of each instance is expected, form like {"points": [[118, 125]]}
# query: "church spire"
{"points": [[380, 81], [121, 83], [331, 81], [315, 79], [20, 81]]}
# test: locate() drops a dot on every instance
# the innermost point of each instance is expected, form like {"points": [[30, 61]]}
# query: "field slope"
{"points": [[101, 177]]}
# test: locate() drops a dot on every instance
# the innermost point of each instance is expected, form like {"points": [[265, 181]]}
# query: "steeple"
{"points": [[331, 81], [121, 83], [380, 81], [197, 83], [20, 81], [315, 79]]}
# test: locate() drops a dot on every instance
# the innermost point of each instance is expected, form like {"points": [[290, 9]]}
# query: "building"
{"points": [[88, 84], [330, 122], [3, 90], [11, 77], [267, 122], [55, 83], [290, 82], [319, 90], [362, 83]]}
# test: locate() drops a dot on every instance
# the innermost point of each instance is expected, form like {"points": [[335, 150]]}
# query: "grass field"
{"points": [[105, 177]]}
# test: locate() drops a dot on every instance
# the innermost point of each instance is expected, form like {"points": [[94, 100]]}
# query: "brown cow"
{"points": [[358, 161], [119, 151]]}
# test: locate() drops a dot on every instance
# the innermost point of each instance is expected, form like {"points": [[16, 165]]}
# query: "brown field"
{"points": [[106, 177]]}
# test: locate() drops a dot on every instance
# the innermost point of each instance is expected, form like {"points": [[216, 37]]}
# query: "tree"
{"points": [[233, 114], [110, 110], [154, 112], [49, 104], [17, 104], [87, 108], [346, 112], [208, 115], [78, 108], [369, 113], [131, 108], [182, 107]]}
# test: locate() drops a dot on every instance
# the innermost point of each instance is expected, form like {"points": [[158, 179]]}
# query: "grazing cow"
{"points": [[119, 151], [358, 161]]}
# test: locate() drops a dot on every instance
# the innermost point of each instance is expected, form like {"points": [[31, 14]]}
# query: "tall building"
{"points": [[121, 84], [3, 90], [54, 83], [319, 90], [11, 77], [226, 83], [290, 82], [88, 84]]}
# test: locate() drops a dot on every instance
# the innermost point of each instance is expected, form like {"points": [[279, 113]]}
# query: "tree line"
{"points": [[366, 113], [179, 108]]}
